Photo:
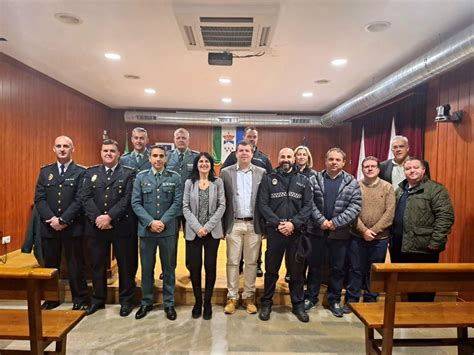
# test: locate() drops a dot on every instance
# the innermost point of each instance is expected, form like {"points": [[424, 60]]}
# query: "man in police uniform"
{"points": [[58, 204], [139, 158], [259, 159], [106, 196], [285, 202], [157, 200], [180, 160]]}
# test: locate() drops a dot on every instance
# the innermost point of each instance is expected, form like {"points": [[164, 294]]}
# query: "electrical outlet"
{"points": [[6, 239]]}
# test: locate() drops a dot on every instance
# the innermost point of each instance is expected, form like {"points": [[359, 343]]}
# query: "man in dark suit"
{"points": [[58, 204], [139, 158], [106, 196], [157, 200], [391, 170]]}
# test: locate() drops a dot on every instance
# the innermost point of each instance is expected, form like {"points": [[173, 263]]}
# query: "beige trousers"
{"points": [[242, 237]]}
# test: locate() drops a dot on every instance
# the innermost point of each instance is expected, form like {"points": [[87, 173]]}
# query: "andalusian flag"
{"points": [[392, 134], [360, 176], [224, 141]]}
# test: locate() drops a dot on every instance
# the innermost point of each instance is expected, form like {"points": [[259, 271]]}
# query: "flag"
{"points": [[126, 150], [360, 176], [224, 142], [392, 134]]}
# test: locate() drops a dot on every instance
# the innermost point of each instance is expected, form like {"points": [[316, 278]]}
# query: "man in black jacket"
{"points": [[285, 202], [57, 202], [106, 198]]}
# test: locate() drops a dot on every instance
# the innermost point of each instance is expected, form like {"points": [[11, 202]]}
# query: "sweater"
{"points": [[378, 208]]}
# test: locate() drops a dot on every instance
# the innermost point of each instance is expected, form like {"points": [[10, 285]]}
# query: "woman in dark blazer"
{"points": [[203, 208]]}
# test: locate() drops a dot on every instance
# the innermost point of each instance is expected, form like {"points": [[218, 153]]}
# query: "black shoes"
{"points": [[125, 310], [82, 306], [50, 304], [346, 309], [197, 311], [142, 311], [170, 313], [287, 278], [161, 276], [336, 310], [94, 308], [259, 271], [265, 313], [207, 314], [301, 315]]}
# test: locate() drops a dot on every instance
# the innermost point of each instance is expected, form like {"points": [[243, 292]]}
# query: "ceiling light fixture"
{"points": [[150, 91], [377, 26], [339, 62], [307, 94], [112, 56], [224, 81], [68, 19], [226, 100]]}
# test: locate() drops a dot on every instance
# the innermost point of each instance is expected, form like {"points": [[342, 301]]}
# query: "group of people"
{"points": [[138, 202]]}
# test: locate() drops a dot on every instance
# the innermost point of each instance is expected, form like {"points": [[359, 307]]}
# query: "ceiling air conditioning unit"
{"points": [[225, 28]]}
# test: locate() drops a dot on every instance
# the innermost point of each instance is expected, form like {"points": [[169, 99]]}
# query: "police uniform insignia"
{"points": [[94, 177], [50, 177], [274, 181]]}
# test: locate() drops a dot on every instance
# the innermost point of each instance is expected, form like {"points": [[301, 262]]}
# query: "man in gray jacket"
{"points": [[337, 203]]}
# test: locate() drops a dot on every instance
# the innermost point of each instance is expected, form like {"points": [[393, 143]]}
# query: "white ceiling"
{"points": [[308, 35]]}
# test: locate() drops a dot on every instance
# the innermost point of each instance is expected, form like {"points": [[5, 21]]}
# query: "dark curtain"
{"points": [[409, 114]]}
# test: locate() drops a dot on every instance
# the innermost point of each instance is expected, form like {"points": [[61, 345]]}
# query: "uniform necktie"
{"points": [[181, 157], [158, 177], [109, 173], [138, 157], [62, 169]]}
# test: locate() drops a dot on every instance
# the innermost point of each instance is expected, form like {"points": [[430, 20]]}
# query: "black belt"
{"points": [[245, 219]]}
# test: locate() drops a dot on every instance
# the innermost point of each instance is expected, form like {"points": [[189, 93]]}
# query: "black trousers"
{"points": [[194, 251], [277, 245], [125, 252], [75, 261], [397, 256]]}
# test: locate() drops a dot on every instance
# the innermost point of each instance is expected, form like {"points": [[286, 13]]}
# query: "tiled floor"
{"points": [[106, 332]]}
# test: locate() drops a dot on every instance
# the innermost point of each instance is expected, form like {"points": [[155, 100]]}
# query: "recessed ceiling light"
{"points": [[322, 81], [224, 81], [339, 62], [226, 100], [150, 91], [307, 94], [377, 26], [112, 56], [131, 76], [68, 19]]}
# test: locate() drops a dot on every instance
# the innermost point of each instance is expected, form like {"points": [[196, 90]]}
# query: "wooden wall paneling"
{"points": [[35, 109]]}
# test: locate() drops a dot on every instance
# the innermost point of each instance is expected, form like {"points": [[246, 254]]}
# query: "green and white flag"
{"points": [[224, 142]]}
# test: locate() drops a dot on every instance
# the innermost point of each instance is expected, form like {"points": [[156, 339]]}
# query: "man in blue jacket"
{"points": [[338, 202], [157, 201]]}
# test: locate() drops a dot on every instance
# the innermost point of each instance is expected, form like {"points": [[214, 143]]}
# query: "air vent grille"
{"points": [[227, 37], [227, 19], [300, 121]]}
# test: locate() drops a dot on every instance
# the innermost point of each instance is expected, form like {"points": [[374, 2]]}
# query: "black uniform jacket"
{"points": [[285, 197], [102, 195], [57, 195]]}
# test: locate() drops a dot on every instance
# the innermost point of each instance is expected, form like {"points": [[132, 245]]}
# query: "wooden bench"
{"points": [[390, 314], [41, 328]]}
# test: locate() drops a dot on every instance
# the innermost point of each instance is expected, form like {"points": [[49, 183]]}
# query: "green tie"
{"points": [[181, 157]]}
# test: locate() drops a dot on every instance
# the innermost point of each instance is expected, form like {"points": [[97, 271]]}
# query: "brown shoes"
{"points": [[250, 306], [231, 306]]}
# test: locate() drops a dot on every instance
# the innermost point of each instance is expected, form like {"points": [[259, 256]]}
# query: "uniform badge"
{"points": [[274, 181], [50, 177], [94, 177]]}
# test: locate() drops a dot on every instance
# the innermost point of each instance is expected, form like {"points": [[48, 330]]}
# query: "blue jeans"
{"points": [[362, 254]]}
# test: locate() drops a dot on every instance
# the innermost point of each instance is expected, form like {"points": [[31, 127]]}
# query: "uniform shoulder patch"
{"points": [[128, 167], [195, 151], [47, 165]]}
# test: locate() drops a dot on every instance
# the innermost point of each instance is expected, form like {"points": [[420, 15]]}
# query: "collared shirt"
{"points": [[112, 168], [398, 174], [66, 165], [244, 193], [135, 154], [156, 171]]}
